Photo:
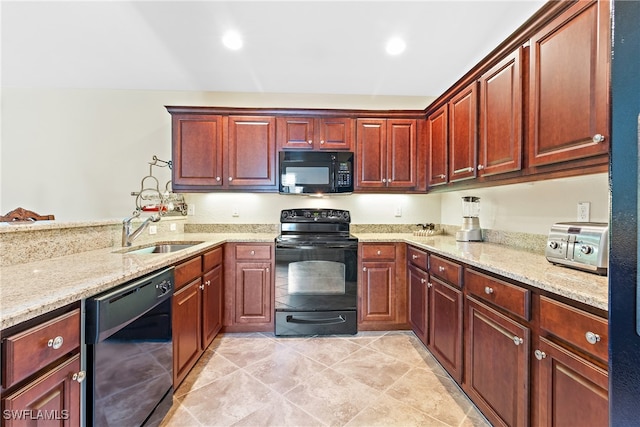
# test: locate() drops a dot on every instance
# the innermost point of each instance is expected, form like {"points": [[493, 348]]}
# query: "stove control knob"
{"points": [[553, 245], [586, 249]]}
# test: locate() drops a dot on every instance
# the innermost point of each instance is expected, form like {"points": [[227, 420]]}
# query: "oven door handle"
{"points": [[316, 246], [328, 321]]}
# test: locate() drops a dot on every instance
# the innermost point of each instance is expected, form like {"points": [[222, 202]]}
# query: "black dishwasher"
{"points": [[130, 353]]}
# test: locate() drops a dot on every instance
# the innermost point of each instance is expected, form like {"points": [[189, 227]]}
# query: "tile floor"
{"points": [[370, 379]]}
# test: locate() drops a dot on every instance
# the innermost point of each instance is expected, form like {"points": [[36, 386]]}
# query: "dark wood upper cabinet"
{"points": [[314, 133], [463, 134], [251, 151], [437, 137], [501, 136], [569, 101], [197, 150], [387, 153]]}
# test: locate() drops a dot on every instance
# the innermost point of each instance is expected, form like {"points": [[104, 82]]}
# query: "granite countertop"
{"points": [[523, 266], [28, 290], [35, 288]]}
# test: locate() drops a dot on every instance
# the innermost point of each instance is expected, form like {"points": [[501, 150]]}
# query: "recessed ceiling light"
{"points": [[232, 40], [396, 46]]}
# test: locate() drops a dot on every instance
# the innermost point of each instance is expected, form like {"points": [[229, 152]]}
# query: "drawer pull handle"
{"points": [[440, 268], [540, 354], [414, 257], [488, 290], [592, 338], [79, 376], [56, 342], [517, 340]]}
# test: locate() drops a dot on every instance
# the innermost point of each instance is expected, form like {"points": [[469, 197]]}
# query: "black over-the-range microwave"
{"points": [[316, 172]]}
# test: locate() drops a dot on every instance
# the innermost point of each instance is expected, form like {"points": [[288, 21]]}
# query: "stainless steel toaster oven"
{"points": [[581, 245]]}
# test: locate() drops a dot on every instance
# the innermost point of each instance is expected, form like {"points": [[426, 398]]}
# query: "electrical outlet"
{"points": [[191, 209], [398, 211], [234, 211], [153, 229], [584, 211], [172, 227]]}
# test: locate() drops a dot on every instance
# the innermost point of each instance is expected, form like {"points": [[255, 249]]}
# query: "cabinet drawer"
{"points": [[579, 328], [446, 270], [29, 351], [418, 257], [251, 252], [375, 252], [212, 258], [512, 298], [187, 271]]}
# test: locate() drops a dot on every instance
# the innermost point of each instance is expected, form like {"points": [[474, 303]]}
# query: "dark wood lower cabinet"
{"points": [[253, 293], [497, 365], [571, 391], [186, 329], [445, 326], [419, 302], [54, 395], [212, 303]]}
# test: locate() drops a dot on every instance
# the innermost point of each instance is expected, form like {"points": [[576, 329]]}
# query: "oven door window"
{"points": [[316, 278]]}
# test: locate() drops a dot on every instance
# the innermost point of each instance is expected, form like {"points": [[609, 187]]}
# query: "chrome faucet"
{"points": [[127, 235]]}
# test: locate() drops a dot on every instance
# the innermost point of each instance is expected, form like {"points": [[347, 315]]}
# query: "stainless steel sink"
{"points": [[158, 248]]}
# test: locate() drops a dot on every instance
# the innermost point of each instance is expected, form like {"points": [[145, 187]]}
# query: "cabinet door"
{"points": [[401, 163], [197, 144], [251, 152], [212, 304], [186, 329], [497, 365], [501, 117], [335, 133], [569, 102], [295, 133], [463, 134], [445, 327], [54, 394], [378, 292], [419, 302], [571, 390], [253, 292], [371, 157], [438, 137]]}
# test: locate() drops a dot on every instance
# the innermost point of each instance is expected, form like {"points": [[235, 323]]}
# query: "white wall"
{"points": [[533, 207], [78, 154], [364, 208]]}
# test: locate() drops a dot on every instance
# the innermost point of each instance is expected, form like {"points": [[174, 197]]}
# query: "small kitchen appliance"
{"points": [[470, 230], [580, 245], [316, 172]]}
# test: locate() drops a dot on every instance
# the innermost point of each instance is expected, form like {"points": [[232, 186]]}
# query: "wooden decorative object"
{"points": [[21, 215]]}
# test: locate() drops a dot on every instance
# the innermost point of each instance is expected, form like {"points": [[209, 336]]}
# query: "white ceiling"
{"points": [[305, 46]]}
